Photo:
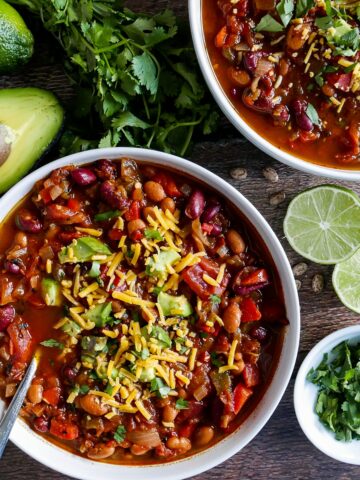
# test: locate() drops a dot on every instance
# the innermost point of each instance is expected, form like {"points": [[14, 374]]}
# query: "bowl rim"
{"points": [[323, 346], [70, 464], [223, 101]]}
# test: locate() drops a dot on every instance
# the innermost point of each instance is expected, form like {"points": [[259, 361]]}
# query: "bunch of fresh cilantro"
{"points": [[338, 401], [136, 75]]}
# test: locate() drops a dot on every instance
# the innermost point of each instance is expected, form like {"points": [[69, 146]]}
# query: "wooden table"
{"points": [[281, 450]]}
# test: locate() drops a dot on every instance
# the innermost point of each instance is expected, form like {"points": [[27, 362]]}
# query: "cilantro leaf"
{"points": [[181, 404], [313, 115], [159, 387], [152, 234], [285, 9], [83, 389], [120, 434], [216, 360], [215, 299], [145, 70], [51, 343], [303, 6], [269, 24]]}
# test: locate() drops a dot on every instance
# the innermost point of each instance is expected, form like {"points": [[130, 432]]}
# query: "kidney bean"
{"points": [[112, 197], [304, 122], [196, 205], [232, 317], [210, 212], [27, 222], [154, 191], [217, 229], [299, 106], [251, 60], [11, 267], [105, 170], [7, 315], [70, 373], [259, 333], [83, 176], [41, 424]]}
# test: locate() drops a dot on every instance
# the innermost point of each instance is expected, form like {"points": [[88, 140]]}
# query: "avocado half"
{"points": [[30, 121]]}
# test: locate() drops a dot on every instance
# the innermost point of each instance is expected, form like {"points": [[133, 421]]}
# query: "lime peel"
{"points": [[346, 282]]}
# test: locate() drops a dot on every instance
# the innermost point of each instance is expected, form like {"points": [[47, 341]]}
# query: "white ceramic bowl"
{"points": [[196, 24], [75, 466], [305, 395]]}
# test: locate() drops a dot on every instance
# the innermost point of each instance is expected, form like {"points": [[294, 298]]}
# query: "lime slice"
{"points": [[323, 224], [346, 281]]}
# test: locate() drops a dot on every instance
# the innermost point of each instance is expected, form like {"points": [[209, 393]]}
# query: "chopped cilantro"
{"points": [[103, 216], [303, 6], [216, 360], [159, 387], [157, 290], [51, 343], [313, 115], [152, 234], [181, 404], [83, 389], [285, 9], [120, 433], [269, 24], [215, 299]]}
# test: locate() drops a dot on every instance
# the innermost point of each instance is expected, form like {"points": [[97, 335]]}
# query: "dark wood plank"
{"points": [[280, 451]]}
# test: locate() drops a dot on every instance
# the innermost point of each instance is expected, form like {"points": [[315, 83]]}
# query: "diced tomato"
{"points": [[52, 396], [241, 394], [210, 266], [74, 204], [251, 375], [193, 276], [67, 237], [134, 211], [341, 81], [249, 310], [207, 228], [45, 195], [115, 234], [168, 184], [221, 37], [257, 276], [21, 340], [222, 344], [137, 236], [64, 429]]}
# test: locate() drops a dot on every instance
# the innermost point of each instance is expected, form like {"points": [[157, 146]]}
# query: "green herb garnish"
{"points": [[303, 6], [215, 299], [51, 343], [285, 9], [120, 433], [216, 360], [313, 115], [152, 234], [158, 386], [269, 24], [103, 216], [181, 404], [338, 400]]}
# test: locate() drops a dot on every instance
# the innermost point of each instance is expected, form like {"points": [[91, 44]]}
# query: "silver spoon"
{"points": [[12, 412]]}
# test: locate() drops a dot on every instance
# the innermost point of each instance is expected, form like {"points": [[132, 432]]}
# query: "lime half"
{"points": [[346, 282], [323, 224]]}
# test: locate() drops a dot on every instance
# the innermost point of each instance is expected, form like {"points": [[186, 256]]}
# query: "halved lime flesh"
{"points": [[346, 281], [323, 224]]}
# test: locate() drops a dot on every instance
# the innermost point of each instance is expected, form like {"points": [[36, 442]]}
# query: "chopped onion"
{"points": [[48, 183], [201, 392], [6, 289], [55, 192], [149, 438]]}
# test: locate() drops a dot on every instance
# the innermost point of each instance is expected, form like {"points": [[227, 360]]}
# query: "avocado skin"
{"points": [[16, 40], [33, 118]]}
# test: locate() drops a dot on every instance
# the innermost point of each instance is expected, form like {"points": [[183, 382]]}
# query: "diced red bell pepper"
{"points": [[221, 37], [241, 395], [45, 195], [207, 228], [249, 310], [210, 266], [341, 81], [74, 204], [21, 340], [115, 234], [257, 276], [251, 375], [168, 184], [193, 276], [64, 429], [134, 211], [52, 396], [67, 237]]}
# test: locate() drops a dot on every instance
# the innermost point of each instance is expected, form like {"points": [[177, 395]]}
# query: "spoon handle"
{"points": [[12, 412]]}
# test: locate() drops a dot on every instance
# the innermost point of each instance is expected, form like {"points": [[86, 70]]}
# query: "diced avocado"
{"points": [[93, 344], [16, 40], [71, 328], [172, 305], [30, 121], [158, 262], [83, 249], [159, 333], [147, 374], [51, 292], [94, 272], [100, 314]]}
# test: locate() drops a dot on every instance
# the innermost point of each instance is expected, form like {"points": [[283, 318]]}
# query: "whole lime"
{"points": [[16, 40]]}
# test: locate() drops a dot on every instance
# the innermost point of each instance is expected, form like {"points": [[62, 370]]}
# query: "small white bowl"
{"points": [[305, 395], [197, 31], [82, 468]]}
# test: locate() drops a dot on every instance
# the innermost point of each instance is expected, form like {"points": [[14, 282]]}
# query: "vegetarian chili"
{"points": [[291, 69], [157, 314]]}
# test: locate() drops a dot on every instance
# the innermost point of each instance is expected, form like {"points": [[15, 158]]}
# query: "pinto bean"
{"points": [[283, 67], [92, 404], [35, 393], [27, 221], [149, 212], [240, 77], [21, 239], [196, 205], [154, 191], [83, 176], [232, 317], [100, 451], [135, 225], [203, 436], [168, 204], [169, 413], [138, 449], [179, 443], [235, 241]]}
